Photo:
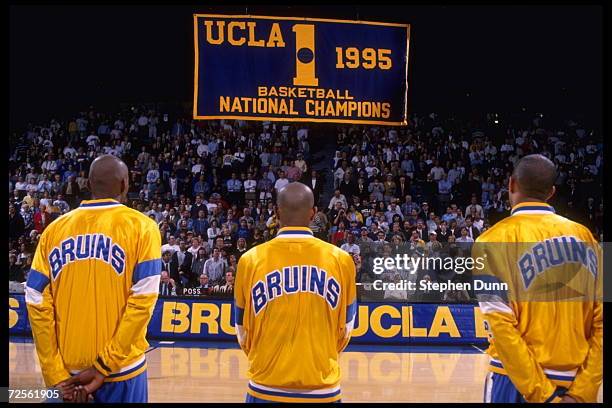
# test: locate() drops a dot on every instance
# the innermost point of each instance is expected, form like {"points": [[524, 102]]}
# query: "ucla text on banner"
{"points": [[300, 69], [377, 323]]}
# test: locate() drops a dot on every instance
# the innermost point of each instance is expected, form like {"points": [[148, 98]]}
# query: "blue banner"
{"points": [[377, 323], [300, 69]]}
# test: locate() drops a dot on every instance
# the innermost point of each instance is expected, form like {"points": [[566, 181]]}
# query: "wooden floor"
{"points": [[196, 374]]}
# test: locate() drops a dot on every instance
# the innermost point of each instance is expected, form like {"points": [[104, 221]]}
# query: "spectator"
{"points": [[214, 267], [337, 198], [472, 231], [199, 262], [171, 246], [195, 246], [281, 182], [319, 224], [228, 285], [183, 258], [241, 247], [395, 294], [15, 270], [475, 206], [350, 246], [424, 292], [204, 286], [61, 204], [16, 223], [167, 287]]}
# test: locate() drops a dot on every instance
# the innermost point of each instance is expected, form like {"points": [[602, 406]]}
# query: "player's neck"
{"points": [[105, 197], [294, 224], [526, 199]]}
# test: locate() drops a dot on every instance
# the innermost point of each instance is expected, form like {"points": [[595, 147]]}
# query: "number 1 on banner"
{"points": [[304, 55]]}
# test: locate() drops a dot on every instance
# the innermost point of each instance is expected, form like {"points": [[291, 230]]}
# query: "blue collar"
{"points": [[105, 202], [532, 208], [288, 231]]}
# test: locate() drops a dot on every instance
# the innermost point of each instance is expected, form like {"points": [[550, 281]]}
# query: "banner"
{"points": [[300, 69], [377, 323]]}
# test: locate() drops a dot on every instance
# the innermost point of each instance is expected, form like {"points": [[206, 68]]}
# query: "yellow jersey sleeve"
{"points": [[129, 339], [39, 302], [240, 302], [501, 321], [590, 374], [519, 362], [349, 301]]}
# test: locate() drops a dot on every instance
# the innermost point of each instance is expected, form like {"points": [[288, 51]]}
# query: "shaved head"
{"points": [[108, 178], [295, 205], [534, 177]]}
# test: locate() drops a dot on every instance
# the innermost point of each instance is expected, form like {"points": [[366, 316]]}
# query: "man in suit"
{"points": [[402, 188], [361, 189], [183, 258], [347, 187], [167, 286], [421, 230], [171, 268], [443, 232], [204, 285], [315, 183], [454, 229], [472, 230]]}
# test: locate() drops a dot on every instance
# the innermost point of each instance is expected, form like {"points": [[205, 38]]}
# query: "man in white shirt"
{"points": [[281, 182], [203, 149], [195, 246], [50, 164], [350, 246], [474, 206], [44, 184], [337, 197], [250, 187], [339, 174], [507, 147], [300, 163], [436, 171], [265, 158], [61, 204], [153, 174], [371, 168], [32, 186], [196, 168], [490, 149], [70, 150], [171, 246], [464, 242], [21, 186], [478, 222]]}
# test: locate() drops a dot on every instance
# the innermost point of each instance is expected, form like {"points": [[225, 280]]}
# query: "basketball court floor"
{"points": [[216, 372]]}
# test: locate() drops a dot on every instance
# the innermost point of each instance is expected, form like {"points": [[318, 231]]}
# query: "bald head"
{"points": [[108, 178], [533, 177], [295, 205]]}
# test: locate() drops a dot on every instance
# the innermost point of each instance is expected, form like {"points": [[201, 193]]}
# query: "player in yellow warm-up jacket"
{"points": [[546, 331], [91, 292], [295, 304]]}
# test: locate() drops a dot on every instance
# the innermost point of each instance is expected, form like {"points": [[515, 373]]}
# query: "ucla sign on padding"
{"points": [[377, 323], [300, 69]]}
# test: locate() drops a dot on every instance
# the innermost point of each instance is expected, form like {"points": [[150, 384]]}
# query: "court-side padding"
{"points": [[376, 323]]}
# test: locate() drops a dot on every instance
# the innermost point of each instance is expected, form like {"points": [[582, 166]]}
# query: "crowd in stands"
{"points": [[432, 186]]}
